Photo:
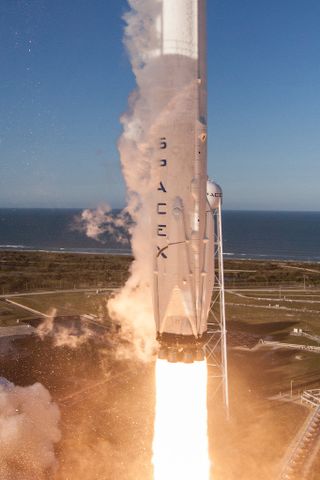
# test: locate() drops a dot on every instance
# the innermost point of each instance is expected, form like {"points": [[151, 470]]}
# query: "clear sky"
{"points": [[65, 79]]}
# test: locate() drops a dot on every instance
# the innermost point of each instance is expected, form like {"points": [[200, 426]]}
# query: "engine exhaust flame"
{"points": [[180, 445]]}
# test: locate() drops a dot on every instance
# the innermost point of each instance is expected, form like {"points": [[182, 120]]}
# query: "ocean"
{"points": [[247, 234]]}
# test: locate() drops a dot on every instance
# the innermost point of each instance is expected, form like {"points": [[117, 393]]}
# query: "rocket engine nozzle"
{"points": [[181, 348]]}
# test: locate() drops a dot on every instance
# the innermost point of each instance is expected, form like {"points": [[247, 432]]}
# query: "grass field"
{"points": [[9, 314], [67, 303], [34, 271]]}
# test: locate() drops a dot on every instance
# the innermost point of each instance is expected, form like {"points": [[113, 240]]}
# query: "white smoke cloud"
{"points": [[28, 432], [132, 306], [96, 223], [141, 34]]}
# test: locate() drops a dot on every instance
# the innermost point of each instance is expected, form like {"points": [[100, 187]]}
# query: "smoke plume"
{"points": [[133, 305], [100, 223], [28, 432]]}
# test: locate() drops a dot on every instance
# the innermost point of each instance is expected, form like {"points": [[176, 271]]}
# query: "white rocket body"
{"points": [[182, 219]]}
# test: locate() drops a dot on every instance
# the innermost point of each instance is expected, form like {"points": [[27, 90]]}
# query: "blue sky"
{"points": [[65, 79]]}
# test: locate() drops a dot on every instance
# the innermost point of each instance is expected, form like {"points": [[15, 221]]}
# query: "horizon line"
{"points": [[121, 208]]}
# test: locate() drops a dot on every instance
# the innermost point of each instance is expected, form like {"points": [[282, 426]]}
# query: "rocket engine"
{"points": [[182, 221]]}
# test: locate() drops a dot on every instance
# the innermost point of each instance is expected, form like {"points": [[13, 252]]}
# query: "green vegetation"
{"points": [[262, 273], [30, 271], [67, 303], [9, 314]]}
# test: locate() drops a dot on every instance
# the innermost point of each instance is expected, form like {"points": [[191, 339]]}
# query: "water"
{"points": [[49, 229], [247, 234], [272, 235]]}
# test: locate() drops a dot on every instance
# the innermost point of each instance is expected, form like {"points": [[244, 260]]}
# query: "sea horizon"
{"points": [[117, 209], [247, 234]]}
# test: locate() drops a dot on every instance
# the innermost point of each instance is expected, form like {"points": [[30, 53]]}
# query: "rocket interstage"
{"points": [[182, 220]]}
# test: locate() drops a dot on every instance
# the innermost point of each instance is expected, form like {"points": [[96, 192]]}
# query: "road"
{"points": [[16, 331], [52, 292]]}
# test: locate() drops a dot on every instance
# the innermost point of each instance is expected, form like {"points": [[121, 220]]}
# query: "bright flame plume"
{"points": [[180, 445]]}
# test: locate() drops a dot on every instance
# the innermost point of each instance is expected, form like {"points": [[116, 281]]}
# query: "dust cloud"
{"points": [[29, 430]]}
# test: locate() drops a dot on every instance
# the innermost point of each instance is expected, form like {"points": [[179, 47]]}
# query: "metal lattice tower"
{"points": [[216, 347]]}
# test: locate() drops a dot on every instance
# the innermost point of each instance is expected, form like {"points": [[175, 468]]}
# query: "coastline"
{"points": [[127, 252], [83, 251], [278, 236]]}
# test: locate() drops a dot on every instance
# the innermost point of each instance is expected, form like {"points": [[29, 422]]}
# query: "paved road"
{"points": [[281, 288], [16, 331], [52, 292]]}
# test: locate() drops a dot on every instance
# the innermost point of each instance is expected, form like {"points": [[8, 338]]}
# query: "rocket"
{"points": [[183, 200]]}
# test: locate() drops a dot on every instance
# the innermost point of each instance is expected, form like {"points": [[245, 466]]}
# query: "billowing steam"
{"points": [[28, 432], [101, 223], [133, 305]]}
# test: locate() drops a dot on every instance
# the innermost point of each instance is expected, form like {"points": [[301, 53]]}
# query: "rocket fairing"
{"points": [[182, 216]]}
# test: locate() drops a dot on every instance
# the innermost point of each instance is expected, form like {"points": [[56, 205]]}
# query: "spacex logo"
{"points": [[215, 195], [162, 205]]}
